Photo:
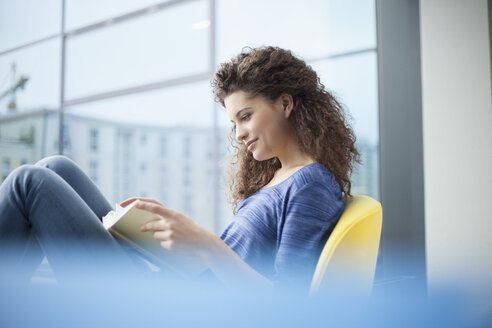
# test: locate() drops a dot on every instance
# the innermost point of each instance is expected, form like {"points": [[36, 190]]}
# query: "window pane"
{"points": [[183, 105], [156, 47], [353, 80], [82, 12], [224, 207], [40, 64], [23, 21], [352, 25], [155, 144], [26, 140], [311, 29], [277, 22]]}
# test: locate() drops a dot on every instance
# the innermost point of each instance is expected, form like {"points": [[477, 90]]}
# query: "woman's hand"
{"points": [[175, 231], [178, 233], [128, 201]]}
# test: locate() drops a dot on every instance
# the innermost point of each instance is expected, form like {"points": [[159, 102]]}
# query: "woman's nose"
{"points": [[240, 133]]}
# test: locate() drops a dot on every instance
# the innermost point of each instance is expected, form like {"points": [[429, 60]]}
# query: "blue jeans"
{"points": [[53, 209]]}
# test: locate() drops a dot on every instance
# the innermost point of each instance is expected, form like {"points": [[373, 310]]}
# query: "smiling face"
{"points": [[260, 124]]}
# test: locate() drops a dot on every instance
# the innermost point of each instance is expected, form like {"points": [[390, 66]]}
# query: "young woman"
{"points": [[294, 154]]}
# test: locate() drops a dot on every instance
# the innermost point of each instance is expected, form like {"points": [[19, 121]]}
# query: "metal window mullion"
{"points": [[341, 55], [62, 81], [215, 128], [152, 9], [138, 89], [29, 44]]}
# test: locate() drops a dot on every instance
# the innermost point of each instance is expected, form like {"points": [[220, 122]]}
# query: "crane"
{"points": [[20, 84]]}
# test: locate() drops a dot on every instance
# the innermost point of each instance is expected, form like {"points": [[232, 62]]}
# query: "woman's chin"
{"points": [[258, 157], [261, 157]]}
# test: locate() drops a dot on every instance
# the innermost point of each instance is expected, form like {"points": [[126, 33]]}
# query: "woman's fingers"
{"points": [[155, 225], [174, 231], [163, 235], [128, 201], [168, 244], [155, 207]]}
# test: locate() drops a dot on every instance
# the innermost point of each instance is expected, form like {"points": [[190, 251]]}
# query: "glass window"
{"points": [[163, 148], [164, 185], [188, 204], [5, 168], [28, 139], [352, 25], [161, 46], [93, 171], [187, 176], [353, 80], [143, 140], [147, 142], [82, 12], [289, 24], [182, 105], [311, 29], [169, 118], [24, 21], [93, 139], [186, 146], [40, 65]]}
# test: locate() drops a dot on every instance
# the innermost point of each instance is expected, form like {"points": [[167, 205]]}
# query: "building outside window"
{"points": [[163, 147], [186, 146], [93, 140], [164, 185], [93, 171], [143, 168], [5, 168]]}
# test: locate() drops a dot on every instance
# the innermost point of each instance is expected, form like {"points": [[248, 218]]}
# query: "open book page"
{"points": [[124, 224], [112, 216]]}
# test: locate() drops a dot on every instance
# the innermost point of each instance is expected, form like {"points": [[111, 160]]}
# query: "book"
{"points": [[124, 224]]}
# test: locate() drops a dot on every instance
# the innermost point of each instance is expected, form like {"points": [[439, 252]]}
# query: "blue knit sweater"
{"points": [[280, 230]]}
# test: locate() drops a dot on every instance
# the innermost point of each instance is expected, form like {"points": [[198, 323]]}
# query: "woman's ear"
{"points": [[287, 104]]}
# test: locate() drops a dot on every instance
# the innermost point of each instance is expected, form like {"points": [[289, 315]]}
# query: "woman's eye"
{"points": [[245, 117]]}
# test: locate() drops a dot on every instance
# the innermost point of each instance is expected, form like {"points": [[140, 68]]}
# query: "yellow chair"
{"points": [[349, 256]]}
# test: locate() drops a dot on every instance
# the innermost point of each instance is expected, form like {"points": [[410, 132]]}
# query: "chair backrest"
{"points": [[349, 257]]}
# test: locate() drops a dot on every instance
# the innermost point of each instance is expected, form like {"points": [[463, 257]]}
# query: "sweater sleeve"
{"points": [[311, 213]]}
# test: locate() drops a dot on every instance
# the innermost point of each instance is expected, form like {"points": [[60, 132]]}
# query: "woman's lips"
{"points": [[251, 144]]}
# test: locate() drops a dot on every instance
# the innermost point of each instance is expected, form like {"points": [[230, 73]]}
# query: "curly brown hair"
{"points": [[318, 120]]}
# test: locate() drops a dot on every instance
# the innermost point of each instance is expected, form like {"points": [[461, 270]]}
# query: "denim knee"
{"points": [[56, 163], [27, 172], [22, 179]]}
